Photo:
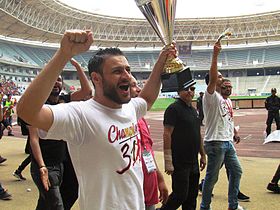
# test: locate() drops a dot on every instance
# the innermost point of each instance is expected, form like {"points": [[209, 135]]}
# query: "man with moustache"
{"points": [[182, 143], [219, 134], [51, 166], [101, 132]]}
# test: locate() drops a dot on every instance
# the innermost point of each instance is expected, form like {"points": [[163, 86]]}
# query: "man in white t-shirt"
{"points": [[102, 133], [219, 136]]}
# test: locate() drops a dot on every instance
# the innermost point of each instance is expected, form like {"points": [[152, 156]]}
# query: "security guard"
{"points": [[272, 104]]}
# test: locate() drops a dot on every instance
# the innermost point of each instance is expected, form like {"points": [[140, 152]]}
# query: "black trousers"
{"points": [[24, 163], [184, 189], [49, 200], [276, 176], [69, 187], [270, 117]]}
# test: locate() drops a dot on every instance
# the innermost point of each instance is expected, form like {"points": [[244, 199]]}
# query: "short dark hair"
{"points": [[95, 64], [225, 80]]}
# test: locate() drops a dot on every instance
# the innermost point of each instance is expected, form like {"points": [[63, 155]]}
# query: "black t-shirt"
{"points": [[54, 151], [272, 103], [186, 138]]}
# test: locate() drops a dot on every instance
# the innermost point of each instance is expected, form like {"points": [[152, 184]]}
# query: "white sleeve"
{"points": [[66, 123], [211, 99], [140, 106]]}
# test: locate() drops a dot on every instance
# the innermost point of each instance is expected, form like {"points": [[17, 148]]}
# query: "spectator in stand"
{"points": [[153, 178], [272, 104]]}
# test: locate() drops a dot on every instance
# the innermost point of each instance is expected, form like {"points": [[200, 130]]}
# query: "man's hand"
{"points": [[217, 48], [167, 52], [75, 63], [75, 42], [202, 162], [169, 168], [163, 192], [45, 177], [236, 139]]}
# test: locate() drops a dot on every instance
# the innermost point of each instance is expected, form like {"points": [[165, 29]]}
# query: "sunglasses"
{"points": [[226, 87], [190, 88]]}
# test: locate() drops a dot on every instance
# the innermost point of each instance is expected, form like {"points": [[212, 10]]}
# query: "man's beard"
{"points": [[54, 93], [111, 93], [226, 93]]}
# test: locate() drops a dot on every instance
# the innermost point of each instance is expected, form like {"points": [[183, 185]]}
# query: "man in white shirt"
{"points": [[219, 136], [102, 133]]}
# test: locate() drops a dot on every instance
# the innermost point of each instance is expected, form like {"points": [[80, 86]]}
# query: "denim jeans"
{"points": [[219, 152], [49, 200]]}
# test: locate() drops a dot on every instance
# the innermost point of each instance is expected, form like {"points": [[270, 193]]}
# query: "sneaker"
{"points": [[243, 198], [18, 175], [273, 187], [238, 208], [5, 196], [10, 134], [2, 160]]}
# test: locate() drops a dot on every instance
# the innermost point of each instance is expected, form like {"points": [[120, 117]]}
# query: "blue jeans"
{"points": [[219, 152]]}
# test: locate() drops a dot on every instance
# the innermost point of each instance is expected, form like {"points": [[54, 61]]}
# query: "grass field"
{"points": [[162, 103]]}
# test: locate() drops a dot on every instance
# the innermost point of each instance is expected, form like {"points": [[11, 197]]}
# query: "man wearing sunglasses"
{"points": [[219, 136], [182, 143]]}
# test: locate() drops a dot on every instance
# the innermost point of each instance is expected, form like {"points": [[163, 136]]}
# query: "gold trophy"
{"points": [[226, 34], [161, 16]]}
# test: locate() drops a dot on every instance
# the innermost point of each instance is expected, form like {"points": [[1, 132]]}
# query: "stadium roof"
{"points": [[184, 9], [46, 21]]}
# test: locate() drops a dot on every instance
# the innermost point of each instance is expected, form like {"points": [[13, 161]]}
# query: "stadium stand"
{"points": [[252, 51]]}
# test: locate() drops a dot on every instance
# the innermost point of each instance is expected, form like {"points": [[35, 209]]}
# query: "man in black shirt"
{"points": [[51, 165], [182, 143], [199, 107], [272, 104]]}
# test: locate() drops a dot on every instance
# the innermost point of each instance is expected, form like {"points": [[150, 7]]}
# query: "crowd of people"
{"points": [[108, 130]]}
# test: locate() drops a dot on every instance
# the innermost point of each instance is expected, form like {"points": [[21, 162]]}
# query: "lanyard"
{"points": [[229, 108]]}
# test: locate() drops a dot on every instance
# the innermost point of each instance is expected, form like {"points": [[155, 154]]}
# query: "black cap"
{"points": [[177, 81]]}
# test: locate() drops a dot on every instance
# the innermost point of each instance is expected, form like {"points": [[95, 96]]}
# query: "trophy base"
{"points": [[174, 82]]}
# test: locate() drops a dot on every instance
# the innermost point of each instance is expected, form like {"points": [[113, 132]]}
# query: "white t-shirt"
{"points": [[218, 113], [105, 151]]}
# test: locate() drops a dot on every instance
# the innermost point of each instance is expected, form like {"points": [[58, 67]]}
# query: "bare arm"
{"points": [[151, 89], [37, 154], [213, 73], [168, 130], [236, 137], [163, 190], [30, 107], [85, 92], [202, 155]]}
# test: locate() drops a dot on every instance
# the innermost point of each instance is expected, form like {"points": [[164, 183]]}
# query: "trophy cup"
{"points": [[226, 34], [161, 16]]}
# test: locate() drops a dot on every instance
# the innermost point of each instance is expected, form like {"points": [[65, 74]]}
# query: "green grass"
{"points": [[162, 103]]}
